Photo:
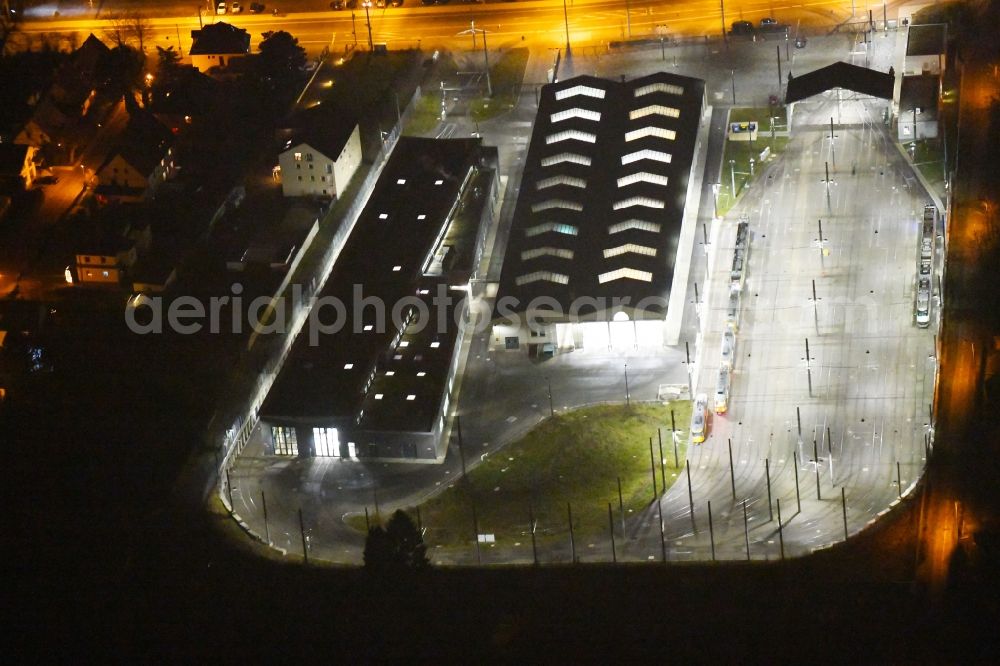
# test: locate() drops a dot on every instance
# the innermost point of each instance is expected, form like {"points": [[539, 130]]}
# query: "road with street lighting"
{"points": [[542, 23]]}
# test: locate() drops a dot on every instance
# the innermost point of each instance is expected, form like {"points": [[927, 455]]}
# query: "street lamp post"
{"points": [[566, 21], [368, 20], [486, 57]]}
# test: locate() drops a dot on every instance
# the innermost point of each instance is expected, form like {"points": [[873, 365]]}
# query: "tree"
{"points": [[396, 548], [280, 55], [124, 27]]}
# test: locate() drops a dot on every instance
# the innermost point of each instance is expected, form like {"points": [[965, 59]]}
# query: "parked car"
{"points": [[47, 180], [256, 7], [766, 21], [337, 5], [800, 42], [235, 8], [742, 28], [395, 3], [220, 8]]}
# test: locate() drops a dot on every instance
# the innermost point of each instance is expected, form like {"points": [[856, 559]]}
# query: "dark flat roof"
{"points": [[919, 92], [384, 257], [925, 39], [599, 210], [840, 75]]}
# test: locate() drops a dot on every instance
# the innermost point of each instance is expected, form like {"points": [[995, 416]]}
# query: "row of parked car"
{"points": [[237, 8], [727, 352], [766, 25]]}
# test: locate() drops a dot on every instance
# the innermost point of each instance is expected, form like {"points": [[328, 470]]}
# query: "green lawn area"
{"points": [[927, 156], [762, 115], [424, 116], [506, 76], [741, 152], [573, 458]]}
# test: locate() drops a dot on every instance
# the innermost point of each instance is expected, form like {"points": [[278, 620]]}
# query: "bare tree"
{"points": [[125, 27]]}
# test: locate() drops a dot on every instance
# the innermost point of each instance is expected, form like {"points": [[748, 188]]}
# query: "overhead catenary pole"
{"points": [[687, 464], [552, 411], [732, 470], [711, 529], [627, 399], [368, 21], [302, 533], [816, 465], [475, 531], [798, 496], [461, 447], [781, 531], [267, 530], [777, 48], [843, 504], [746, 527], [722, 11], [572, 539]]}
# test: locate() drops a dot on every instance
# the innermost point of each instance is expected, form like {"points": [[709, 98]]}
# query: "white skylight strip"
{"points": [[659, 86], [648, 202], [556, 203], [547, 251], [629, 247], [575, 158], [540, 276], [659, 132], [654, 109], [567, 135], [545, 227], [625, 273], [572, 181], [641, 225], [655, 155], [575, 112], [642, 177], [580, 90]]}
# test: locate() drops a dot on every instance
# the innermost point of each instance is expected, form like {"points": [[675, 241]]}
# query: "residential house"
{"points": [[17, 167], [105, 261], [143, 158], [69, 99], [320, 157], [925, 49], [218, 44], [183, 96]]}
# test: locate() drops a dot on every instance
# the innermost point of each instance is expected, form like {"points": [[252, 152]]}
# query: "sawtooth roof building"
{"points": [[381, 386], [597, 230]]}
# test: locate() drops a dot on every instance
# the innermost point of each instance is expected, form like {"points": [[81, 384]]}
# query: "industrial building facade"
{"points": [[381, 385], [598, 224]]}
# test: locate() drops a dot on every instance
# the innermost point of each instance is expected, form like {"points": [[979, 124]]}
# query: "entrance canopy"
{"points": [[840, 75]]}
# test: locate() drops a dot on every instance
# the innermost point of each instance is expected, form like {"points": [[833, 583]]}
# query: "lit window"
{"points": [[421, 217], [655, 155], [623, 273], [423, 292], [580, 90], [404, 343], [412, 396], [378, 396], [368, 327], [396, 269], [544, 227], [435, 345], [566, 135], [439, 182], [648, 202], [556, 203], [642, 177], [575, 158], [421, 374], [383, 216], [390, 373], [641, 225], [534, 253], [659, 87], [348, 366], [539, 276], [586, 114], [561, 180], [401, 181], [654, 109], [629, 247], [659, 132], [298, 157]]}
